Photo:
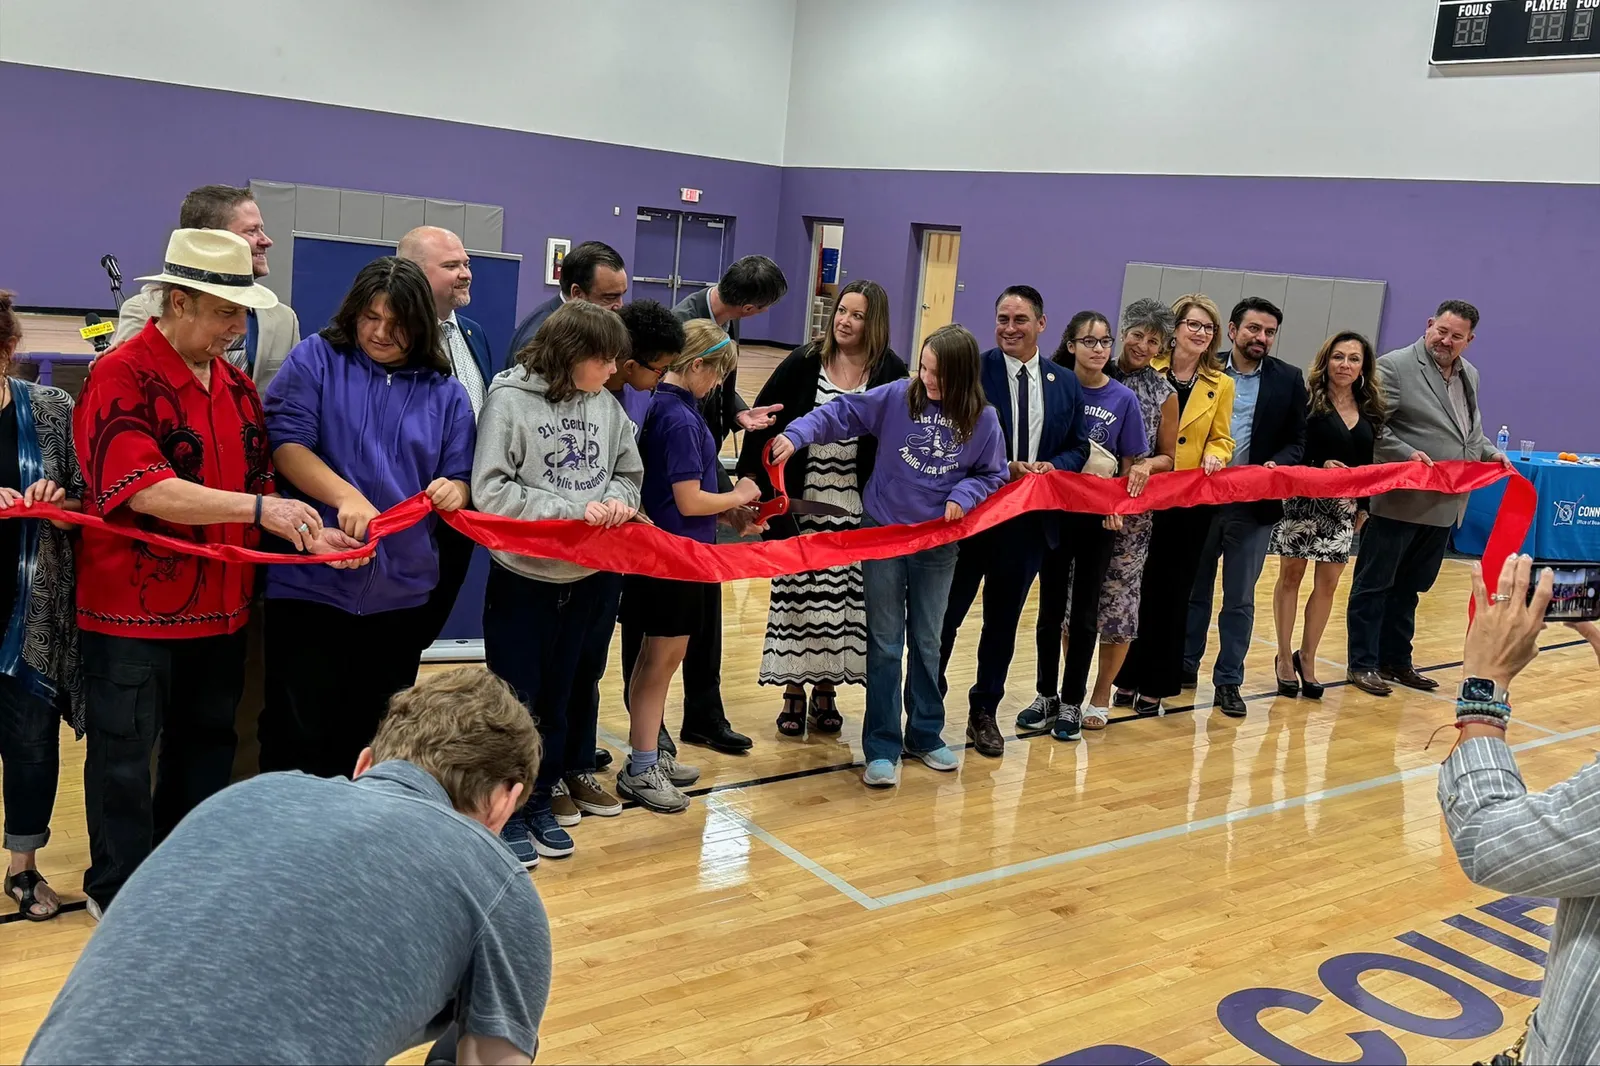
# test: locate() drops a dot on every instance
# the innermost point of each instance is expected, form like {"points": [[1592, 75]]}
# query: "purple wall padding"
{"points": [[96, 164]]}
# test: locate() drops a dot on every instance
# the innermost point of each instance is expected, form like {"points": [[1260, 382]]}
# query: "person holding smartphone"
{"points": [[1531, 844]]}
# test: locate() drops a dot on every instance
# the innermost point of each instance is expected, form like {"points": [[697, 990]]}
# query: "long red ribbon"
{"points": [[636, 548]]}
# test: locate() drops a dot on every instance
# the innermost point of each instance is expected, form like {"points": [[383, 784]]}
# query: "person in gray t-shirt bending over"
{"points": [[296, 919]]}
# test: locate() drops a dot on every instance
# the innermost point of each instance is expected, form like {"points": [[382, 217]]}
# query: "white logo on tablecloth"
{"points": [[1575, 513]]}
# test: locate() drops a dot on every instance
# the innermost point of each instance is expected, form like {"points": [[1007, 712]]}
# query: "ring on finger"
{"points": [[303, 528]]}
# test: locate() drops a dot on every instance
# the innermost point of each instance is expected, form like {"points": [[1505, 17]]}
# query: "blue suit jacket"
{"points": [[528, 327], [478, 344], [1063, 441]]}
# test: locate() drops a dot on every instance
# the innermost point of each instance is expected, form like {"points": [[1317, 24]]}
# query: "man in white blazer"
{"points": [[272, 332], [1432, 392]]}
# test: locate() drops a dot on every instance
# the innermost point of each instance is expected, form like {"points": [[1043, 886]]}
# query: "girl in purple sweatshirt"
{"points": [[362, 416], [940, 454]]}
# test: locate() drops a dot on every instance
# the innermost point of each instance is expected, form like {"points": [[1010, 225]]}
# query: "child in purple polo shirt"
{"points": [[940, 454], [679, 495]]}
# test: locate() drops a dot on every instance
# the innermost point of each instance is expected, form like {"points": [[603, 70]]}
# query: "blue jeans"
{"points": [[1241, 542], [905, 612]]}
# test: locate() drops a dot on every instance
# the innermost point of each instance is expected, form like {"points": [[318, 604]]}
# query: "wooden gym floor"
{"points": [[1112, 891]]}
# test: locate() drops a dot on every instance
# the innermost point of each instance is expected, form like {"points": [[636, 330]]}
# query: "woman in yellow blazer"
{"points": [[1153, 670]]}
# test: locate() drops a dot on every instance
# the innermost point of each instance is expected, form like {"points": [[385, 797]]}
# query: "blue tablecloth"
{"points": [[1567, 525]]}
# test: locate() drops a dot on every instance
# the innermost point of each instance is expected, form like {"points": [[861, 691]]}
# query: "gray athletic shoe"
{"points": [[652, 790], [679, 774]]}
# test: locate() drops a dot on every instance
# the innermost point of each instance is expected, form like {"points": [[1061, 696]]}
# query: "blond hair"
{"points": [[1181, 307], [467, 729], [700, 337]]}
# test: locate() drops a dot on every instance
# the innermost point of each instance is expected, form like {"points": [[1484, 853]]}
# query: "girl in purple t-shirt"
{"points": [[1077, 569]]}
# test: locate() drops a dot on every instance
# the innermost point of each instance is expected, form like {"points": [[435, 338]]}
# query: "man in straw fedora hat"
{"points": [[172, 439]]}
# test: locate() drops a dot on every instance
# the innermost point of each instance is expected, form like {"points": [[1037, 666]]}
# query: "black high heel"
{"points": [[1312, 690], [1285, 688]]}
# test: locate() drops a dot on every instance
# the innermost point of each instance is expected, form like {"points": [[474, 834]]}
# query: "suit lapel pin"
{"points": [[1049, 377]]}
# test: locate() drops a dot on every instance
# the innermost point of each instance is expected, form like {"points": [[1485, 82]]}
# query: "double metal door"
{"points": [[676, 253]]}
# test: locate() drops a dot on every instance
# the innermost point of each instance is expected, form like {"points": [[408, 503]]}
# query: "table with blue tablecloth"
{"points": [[1566, 527]]}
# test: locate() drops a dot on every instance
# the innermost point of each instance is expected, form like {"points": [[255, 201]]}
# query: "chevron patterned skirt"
{"points": [[817, 621]]}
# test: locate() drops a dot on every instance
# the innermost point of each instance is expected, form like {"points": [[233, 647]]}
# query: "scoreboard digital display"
{"points": [[1509, 31]]}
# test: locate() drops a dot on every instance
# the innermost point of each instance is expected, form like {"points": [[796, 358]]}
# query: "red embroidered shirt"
{"points": [[144, 417]]}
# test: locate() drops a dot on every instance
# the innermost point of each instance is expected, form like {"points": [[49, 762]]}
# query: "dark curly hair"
{"points": [[653, 331]]}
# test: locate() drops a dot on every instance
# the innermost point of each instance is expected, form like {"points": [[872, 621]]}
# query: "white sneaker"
{"points": [[652, 790], [680, 775]]}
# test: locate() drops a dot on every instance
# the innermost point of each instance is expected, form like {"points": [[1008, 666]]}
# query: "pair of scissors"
{"points": [[781, 503]]}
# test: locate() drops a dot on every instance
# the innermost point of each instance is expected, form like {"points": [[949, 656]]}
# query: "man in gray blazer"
{"points": [[272, 332], [1432, 393]]}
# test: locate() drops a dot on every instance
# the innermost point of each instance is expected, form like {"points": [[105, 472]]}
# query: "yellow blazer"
{"points": [[1205, 427]]}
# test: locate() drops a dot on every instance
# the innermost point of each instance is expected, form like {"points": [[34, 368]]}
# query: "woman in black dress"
{"points": [[1347, 411]]}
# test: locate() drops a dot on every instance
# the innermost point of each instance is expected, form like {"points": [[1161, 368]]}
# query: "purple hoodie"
{"points": [[920, 466], [387, 432]]}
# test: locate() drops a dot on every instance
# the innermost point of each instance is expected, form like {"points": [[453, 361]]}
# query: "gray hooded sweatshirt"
{"points": [[540, 460]]}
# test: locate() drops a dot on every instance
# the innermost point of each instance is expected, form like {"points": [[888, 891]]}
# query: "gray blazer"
{"points": [[278, 331], [1421, 420]]}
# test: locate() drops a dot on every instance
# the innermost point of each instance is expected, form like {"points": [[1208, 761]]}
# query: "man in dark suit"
{"points": [[444, 260], [1041, 413], [747, 288], [1269, 429], [592, 272]]}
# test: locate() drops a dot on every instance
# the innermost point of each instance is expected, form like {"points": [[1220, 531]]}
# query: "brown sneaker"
{"points": [[590, 796], [562, 806]]}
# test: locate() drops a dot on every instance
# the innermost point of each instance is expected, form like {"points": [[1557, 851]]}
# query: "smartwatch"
{"points": [[1482, 690]]}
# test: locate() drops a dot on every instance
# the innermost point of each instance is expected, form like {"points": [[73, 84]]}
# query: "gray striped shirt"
{"points": [[1537, 844]]}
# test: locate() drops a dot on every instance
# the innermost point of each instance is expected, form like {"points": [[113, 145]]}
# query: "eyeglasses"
{"points": [[1205, 329], [1101, 343]]}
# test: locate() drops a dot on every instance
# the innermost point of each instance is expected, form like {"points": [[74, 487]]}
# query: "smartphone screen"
{"points": [[1577, 593]]}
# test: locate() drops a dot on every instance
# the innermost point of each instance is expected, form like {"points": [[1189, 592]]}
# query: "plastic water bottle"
{"points": [[1502, 440]]}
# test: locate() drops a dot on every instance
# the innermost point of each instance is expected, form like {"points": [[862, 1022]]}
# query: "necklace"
{"points": [[1181, 381]]}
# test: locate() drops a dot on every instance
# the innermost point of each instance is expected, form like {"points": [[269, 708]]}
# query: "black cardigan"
{"points": [[794, 384]]}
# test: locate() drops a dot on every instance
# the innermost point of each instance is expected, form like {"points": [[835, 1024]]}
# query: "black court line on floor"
{"points": [[7, 919]]}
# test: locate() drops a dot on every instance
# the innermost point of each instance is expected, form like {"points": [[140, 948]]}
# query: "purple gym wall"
{"points": [[97, 164], [1526, 255]]}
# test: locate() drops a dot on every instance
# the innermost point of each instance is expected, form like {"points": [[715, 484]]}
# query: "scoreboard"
{"points": [[1505, 31]]}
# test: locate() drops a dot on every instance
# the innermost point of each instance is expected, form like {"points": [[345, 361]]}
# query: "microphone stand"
{"points": [[109, 263]]}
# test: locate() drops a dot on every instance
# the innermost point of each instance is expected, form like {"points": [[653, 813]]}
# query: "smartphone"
{"points": [[1577, 592]]}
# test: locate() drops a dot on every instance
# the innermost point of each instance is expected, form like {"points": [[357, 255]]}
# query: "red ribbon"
{"points": [[636, 548]]}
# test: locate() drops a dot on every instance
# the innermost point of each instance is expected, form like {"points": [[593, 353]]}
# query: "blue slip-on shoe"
{"points": [[549, 839], [515, 837], [881, 773], [941, 758]]}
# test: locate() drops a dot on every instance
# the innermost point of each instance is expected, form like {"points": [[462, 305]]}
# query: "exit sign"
{"points": [[690, 196]]}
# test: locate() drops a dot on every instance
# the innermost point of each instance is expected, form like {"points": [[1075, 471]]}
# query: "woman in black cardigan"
{"points": [[817, 624]]}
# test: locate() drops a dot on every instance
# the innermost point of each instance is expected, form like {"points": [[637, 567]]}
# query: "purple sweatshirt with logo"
{"points": [[920, 466], [387, 432]]}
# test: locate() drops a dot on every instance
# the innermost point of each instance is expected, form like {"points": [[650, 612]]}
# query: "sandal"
{"points": [[792, 719], [825, 719], [23, 888]]}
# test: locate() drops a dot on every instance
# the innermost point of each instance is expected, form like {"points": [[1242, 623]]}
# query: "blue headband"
{"points": [[723, 343]]}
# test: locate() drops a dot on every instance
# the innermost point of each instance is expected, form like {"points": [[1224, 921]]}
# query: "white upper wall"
{"points": [[1315, 88], [705, 77]]}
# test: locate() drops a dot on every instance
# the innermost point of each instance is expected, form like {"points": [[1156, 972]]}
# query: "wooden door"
{"points": [[940, 250]]}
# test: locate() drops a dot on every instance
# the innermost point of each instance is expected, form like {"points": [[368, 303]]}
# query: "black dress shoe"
{"points": [[985, 735], [1312, 690], [719, 736], [1369, 682], [1407, 676], [1229, 700], [602, 758]]}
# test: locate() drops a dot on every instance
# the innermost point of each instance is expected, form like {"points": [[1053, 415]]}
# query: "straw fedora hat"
{"points": [[214, 261]]}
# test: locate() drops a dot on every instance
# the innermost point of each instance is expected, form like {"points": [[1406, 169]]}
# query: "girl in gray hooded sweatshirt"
{"points": [[552, 444]]}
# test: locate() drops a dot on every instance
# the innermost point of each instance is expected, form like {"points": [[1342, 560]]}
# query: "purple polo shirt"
{"points": [[676, 445]]}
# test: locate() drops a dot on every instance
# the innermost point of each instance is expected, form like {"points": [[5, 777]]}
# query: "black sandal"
{"points": [[825, 719], [792, 719], [28, 881]]}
